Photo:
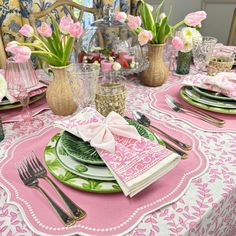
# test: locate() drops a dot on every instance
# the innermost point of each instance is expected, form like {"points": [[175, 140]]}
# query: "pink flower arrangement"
{"points": [[156, 30], [54, 48]]}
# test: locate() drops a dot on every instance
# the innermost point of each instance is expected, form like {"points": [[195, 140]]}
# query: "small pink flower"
{"points": [[76, 30], [195, 18], [144, 37], [177, 43], [121, 16], [134, 22], [65, 24], [22, 54], [12, 47], [45, 30], [27, 30]]}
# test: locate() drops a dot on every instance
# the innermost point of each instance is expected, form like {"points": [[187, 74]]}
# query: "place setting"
{"points": [[119, 123]]}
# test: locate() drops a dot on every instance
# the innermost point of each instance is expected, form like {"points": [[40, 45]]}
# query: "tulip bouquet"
{"points": [[52, 44], [155, 29]]}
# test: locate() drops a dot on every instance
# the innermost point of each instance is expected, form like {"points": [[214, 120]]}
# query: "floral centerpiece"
{"points": [[52, 44], [154, 29], [183, 43]]}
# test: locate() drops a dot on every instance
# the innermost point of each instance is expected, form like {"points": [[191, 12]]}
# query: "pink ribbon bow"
{"points": [[101, 134]]}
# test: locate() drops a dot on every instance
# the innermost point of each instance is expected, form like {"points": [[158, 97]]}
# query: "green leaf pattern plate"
{"points": [[204, 106], [191, 93], [212, 94]]}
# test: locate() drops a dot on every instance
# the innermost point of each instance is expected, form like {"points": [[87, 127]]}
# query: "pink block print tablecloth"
{"points": [[207, 207]]}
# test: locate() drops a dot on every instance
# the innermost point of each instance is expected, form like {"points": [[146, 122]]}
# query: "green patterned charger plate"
{"points": [[191, 93], [204, 106], [90, 185], [212, 94], [7, 106]]}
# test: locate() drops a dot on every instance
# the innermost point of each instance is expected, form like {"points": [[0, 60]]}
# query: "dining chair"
{"points": [[232, 32], [70, 6]]}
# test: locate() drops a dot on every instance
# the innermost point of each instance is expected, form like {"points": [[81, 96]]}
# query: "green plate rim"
{"points": [[205, 107], [198, 90], [202, 99]]}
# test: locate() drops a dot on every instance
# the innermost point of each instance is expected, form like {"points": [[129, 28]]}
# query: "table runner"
{"points": [[99, 212], [207, 208]]}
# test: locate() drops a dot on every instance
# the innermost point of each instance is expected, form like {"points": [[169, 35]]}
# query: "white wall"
{"points": [[219, 12]]}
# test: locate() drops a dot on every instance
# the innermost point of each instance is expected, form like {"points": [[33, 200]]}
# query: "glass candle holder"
{"points": [[110, 96], [183, 62]]}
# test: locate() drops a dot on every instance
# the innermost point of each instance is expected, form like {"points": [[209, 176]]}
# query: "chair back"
{"points": [[232, 32]]}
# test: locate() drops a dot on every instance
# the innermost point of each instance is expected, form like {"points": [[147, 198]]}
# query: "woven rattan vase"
{"points": [[158, 72], [59, 96]]}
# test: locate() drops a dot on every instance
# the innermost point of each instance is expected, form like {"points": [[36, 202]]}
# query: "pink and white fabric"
{"points": [[134, 161], [222, 50], [224, 82]]}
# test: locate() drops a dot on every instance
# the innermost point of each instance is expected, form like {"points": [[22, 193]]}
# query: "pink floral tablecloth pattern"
{"points": [[207, 208]]}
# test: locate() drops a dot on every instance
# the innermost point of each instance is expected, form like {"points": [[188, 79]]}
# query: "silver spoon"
{"points": [[145, 121]]}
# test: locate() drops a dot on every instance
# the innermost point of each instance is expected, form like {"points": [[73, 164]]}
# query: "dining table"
{"points": [[198, 198]]}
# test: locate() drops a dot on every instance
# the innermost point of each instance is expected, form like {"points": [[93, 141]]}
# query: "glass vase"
{"points": [[183, 62]]}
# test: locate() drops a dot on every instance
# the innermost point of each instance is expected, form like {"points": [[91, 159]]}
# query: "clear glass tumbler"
{"points": [[21, 78], [202, 50], [83, 80]]}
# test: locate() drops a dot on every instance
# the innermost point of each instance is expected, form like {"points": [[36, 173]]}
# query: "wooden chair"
{"points": [[232, 32], [70, 5], [3, 56]]}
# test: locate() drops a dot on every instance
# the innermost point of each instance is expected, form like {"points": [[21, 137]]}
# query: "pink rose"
{"points": [[121, 16], [12, 47], [22, 54], [65, 24], [144, 37], [134, 22], [27, 30], [177, 43], [195, 18], [45, 30], [76, 30]]}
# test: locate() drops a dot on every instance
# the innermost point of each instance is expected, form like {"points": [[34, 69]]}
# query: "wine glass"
{"points": [[21, 78]]}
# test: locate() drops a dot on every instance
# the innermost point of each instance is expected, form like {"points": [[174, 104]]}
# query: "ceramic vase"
{"points": [[59, 95], [158, 72]]}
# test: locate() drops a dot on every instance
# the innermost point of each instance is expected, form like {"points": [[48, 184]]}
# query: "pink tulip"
{"points": [[12, 47], [45, 30], [65, 24], [121, 16], [134, 22], [177, 43], [22, 54], [144, 37], [27, 30], [195, 18], [76, 30]]}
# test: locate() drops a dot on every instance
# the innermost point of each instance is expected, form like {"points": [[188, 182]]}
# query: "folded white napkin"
{"points": [[135, 162], [223, 82]]}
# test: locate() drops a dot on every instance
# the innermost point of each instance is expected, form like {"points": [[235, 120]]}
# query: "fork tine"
{"points": [[20, 173], [38, 162], [33, 162]]}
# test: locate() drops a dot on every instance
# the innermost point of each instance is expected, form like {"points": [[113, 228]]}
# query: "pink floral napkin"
{"points": [[134, 161], [223, 50], [224, 82]]}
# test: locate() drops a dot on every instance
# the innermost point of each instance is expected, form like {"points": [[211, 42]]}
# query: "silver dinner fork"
{"points": [[177, 108], [34, 165], [30, 180]]}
